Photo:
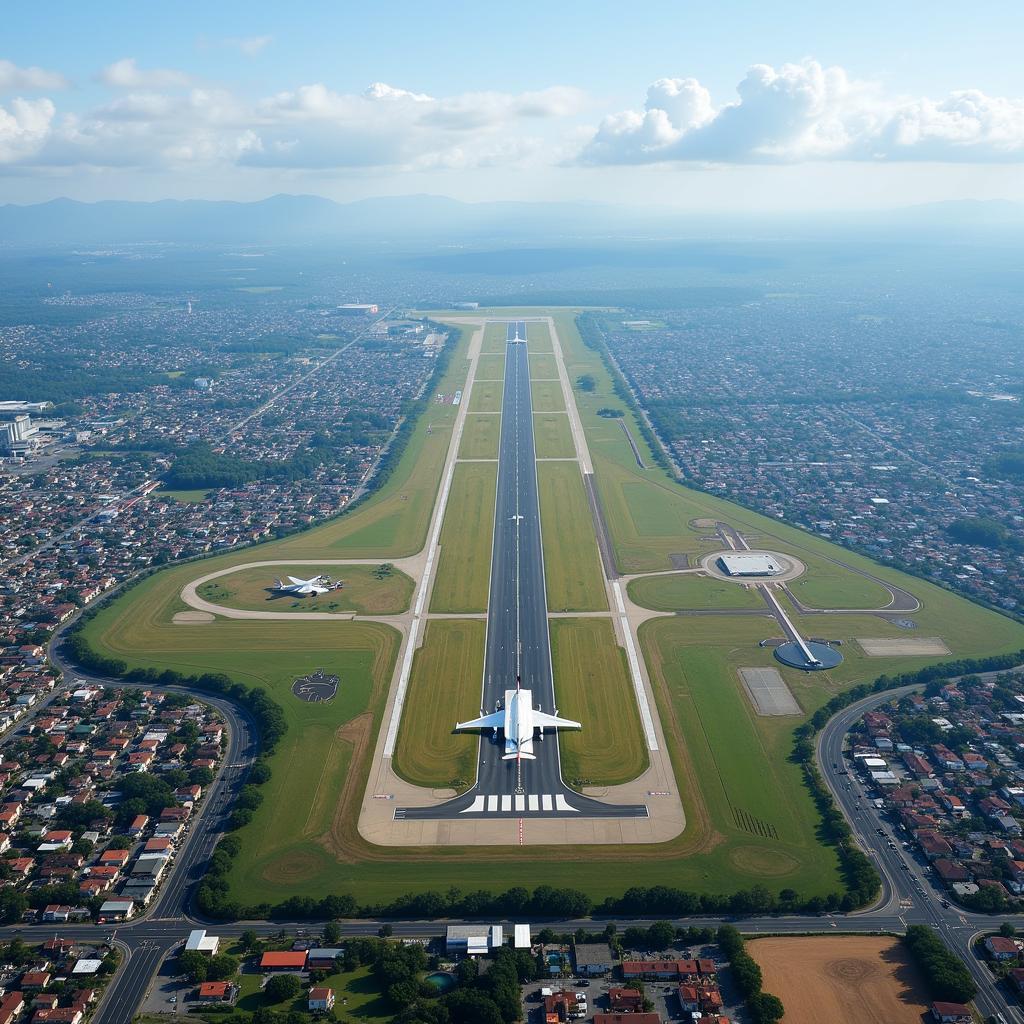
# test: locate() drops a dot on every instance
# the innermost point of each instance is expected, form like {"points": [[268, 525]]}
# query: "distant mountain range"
{"points": [[421, 218]]}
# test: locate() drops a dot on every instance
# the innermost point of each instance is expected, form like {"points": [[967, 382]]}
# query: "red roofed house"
{"points": [[283, 961], [216, 992], [625, 1000], [321, 1000], [952, 1013]]}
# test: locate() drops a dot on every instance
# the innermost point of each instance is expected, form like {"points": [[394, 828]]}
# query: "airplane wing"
{"points": [[494, 721], [297, 583], [541, 719]]}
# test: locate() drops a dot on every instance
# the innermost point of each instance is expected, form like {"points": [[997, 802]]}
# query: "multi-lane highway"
{"points": [[517, 631]]}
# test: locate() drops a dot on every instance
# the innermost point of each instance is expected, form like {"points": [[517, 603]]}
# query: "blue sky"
{"points": [[733, 106]]}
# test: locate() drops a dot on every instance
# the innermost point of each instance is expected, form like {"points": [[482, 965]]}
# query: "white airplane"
{"points": [[303, 588], [519, 720]]}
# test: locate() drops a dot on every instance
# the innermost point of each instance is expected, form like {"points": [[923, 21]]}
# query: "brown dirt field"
{"points": [[842, 979]]}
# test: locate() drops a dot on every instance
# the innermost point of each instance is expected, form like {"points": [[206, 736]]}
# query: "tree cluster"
{"points": [[764, 1008], [944, 972]]}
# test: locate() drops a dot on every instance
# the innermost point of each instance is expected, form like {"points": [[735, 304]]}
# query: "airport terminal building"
{"points": [[749, 564]]}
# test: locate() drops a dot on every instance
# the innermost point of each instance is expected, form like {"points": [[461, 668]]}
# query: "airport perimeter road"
{"points": [[517, 632]]}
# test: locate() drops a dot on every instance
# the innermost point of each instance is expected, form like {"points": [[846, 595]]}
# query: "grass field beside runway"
{"points": [[326, 748], [444, 688], [463, 569], [827, 585], [490, 367], [572, 565], [543, 367], [552, 437], [367, 590], [486, 396], [677, 593], [538, 338], [547, 396], [480, 436], [495, 340], [592, 687]]}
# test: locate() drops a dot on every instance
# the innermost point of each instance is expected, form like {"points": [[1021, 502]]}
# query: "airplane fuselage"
{"points": [[519, 721]]}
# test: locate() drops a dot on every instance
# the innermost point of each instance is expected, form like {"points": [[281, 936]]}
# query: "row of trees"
{"points": [[944, 972], [764, 1008]]}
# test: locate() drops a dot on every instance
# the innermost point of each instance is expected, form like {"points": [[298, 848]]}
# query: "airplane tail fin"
{"points": [[278, 584], [523, 756]]}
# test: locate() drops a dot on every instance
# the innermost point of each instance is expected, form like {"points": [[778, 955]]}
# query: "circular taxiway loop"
{"points": [[791, 567]]}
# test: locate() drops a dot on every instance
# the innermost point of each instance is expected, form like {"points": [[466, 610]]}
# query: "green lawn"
{"points": [[543, 367], [463, 570], [552, 437], [194, 497], [827, 585], [490, 367], [366, 590], [547, 396], [486, 396], [480, 437], [572, 564], [538, 338], [444, 688], [592, 686], [675, 593], [494, 340]]}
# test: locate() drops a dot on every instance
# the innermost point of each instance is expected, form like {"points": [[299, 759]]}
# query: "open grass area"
{"points": [[543, 367], [324, 754], [592, 686], [552, 437], [357, 993], [670, 593], [495, 339], [491, 367], [547, 396], [480, 436], [486, 396], [463, 570], [368, 590], [444, 688], [538, 338], [572, 565], [827, 585], [194, 497]]}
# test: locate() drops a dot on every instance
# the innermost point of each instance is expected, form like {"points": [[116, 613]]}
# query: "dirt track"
{"points": [[842, 979]]}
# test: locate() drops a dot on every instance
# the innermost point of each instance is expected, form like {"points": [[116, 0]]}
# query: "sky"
{"points": [[733, 106]]}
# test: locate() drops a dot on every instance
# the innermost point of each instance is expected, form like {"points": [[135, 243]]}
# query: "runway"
{"points": [[517, 631]]}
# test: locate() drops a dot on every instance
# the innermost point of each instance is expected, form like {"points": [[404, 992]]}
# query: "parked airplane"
{"points": [[303, 588], [519, 721]]}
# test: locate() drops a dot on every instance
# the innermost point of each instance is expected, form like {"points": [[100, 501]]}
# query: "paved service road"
{"points": [[517, 632]]}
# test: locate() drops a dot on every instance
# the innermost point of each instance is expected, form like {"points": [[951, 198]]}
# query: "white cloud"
{"points": [[13, 77], [251, 46], [807, 112], [24, 126], [151, 123], [126, 74]]}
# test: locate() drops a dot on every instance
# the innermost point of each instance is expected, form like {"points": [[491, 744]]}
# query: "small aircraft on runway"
{"points": [[304, 588], [519, 721]]}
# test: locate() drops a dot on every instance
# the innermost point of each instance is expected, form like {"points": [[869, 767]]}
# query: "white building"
{"points": [[749, 564], [473, 939], [198, 941]]}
